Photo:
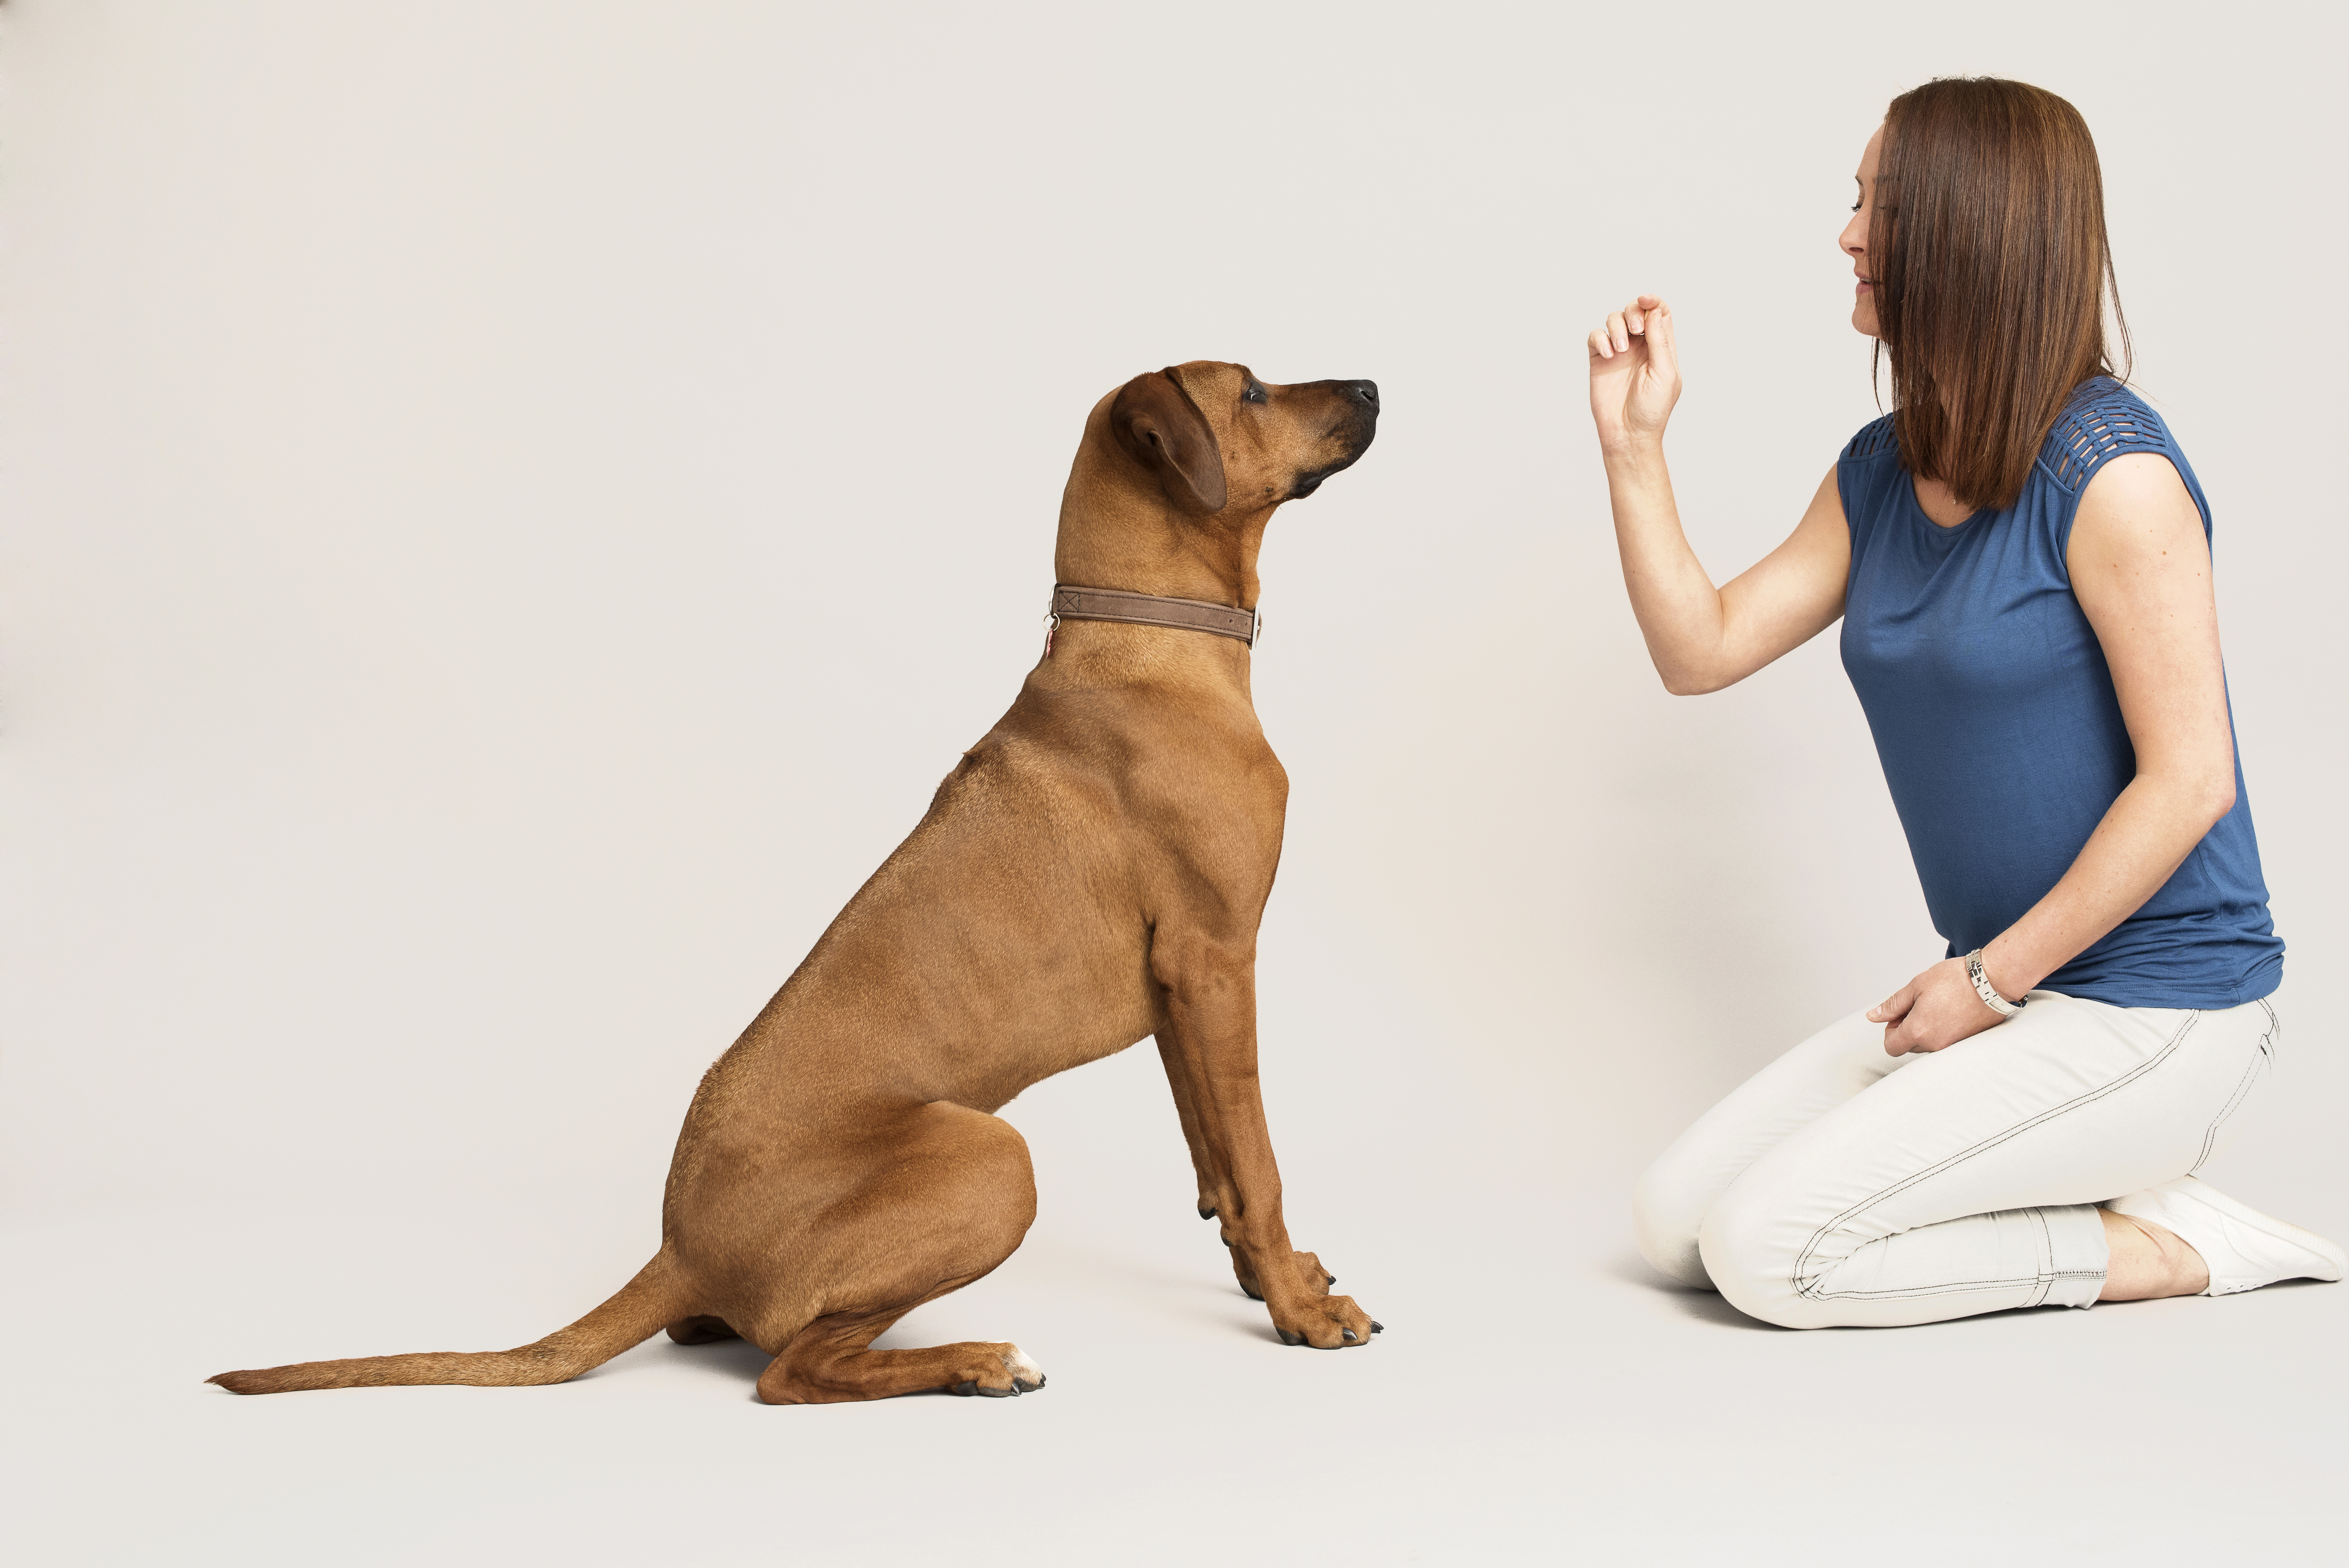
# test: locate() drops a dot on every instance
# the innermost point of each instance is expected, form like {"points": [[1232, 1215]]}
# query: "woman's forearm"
{"points": [[1700, 637], [2145, 835], [1678, 607]]}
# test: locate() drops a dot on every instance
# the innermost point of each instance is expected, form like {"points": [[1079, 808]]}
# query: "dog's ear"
{"points": [[1156, 421]]}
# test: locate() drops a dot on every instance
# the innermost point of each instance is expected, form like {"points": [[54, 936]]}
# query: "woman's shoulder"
{"points": [[1870, 477], [1875, 439], [2102, 420]]}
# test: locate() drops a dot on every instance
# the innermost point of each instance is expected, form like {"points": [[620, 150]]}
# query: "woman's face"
{"points": [[1854, 236]]}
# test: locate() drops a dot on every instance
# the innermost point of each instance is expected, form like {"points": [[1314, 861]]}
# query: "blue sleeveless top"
{"points": [[2000, 736]]}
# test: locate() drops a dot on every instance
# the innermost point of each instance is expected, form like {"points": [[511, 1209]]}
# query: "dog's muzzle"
{"points": [[1361, 426]]}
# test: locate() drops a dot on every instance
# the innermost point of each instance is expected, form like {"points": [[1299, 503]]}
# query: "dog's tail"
{"points": [[655, 1297]]}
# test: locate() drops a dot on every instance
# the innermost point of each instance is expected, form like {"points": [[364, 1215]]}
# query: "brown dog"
{"points": [[1092, 872]]}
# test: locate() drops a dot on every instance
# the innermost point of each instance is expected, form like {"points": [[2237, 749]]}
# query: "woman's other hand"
{"points": [[1932, 1012], [1635, 374]]}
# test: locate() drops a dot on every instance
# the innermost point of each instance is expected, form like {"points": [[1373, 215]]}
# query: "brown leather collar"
{"points": [[1149, 610]]}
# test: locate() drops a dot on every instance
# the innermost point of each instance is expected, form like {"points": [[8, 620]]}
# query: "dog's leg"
{"points": [[830, 1361], [1309, 1272], [1178, 1081], [949, 1195], [1316, 1279], [1209, 1051]]}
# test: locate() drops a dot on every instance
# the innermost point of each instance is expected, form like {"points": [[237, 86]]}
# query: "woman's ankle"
{"points": [[2148, 1260]]}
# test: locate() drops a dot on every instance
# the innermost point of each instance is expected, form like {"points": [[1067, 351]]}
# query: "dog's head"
{"points": [[1216, 440]]}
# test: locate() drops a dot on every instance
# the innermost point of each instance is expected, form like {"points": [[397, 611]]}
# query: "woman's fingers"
{"points": [[1662, 349], [1905, 1030], [1640, 319]]}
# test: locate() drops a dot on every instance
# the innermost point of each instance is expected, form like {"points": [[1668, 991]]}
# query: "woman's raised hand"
{"points": [[1635, 374]]}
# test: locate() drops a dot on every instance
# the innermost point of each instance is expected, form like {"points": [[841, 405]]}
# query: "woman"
{"points": [[2020, 556]]}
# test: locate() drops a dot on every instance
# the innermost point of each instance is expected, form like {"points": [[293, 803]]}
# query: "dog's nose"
{"points": [[1366, 393]]}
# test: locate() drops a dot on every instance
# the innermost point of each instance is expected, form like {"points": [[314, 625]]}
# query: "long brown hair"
{"points": [[1991, 270]]}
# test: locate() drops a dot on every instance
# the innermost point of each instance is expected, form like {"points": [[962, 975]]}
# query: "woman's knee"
{"points": [[1667, 1209], [1750, 1251]]}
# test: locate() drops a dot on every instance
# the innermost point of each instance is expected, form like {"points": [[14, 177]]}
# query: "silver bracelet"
{"points": [[1988, 993]]}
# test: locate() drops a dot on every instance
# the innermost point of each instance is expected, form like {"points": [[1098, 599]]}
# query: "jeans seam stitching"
{"points": [[1956, 1288], [1959, 1286], [1810, 1293], [2234, 1103]]}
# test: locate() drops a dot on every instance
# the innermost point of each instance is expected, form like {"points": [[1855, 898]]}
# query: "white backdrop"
{"points": [[453, 452]]}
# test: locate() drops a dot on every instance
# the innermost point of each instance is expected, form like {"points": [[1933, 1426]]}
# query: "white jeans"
{"points": [[1841, 1186]]}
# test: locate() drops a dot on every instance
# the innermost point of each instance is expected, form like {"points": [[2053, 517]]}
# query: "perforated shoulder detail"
{"points": [[2106, 420], [1874, 437]]}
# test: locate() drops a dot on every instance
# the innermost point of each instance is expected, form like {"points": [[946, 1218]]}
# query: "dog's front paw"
{"points": [[1316, 1279], [1326, 1323]]}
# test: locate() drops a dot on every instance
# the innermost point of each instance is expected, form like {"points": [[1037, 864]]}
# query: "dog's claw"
{"points": [[1206, 1211], [1376, 1327], [1349, 1334], [967, 1388], [1287, 1336]]}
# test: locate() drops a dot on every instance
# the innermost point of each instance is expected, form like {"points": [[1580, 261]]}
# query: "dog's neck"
{"points": [[1189, 560], [1115, 533], [1118, 530], [1181, 560]]}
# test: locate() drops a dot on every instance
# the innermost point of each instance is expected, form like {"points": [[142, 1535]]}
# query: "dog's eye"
{"points": [[1255, 394]]}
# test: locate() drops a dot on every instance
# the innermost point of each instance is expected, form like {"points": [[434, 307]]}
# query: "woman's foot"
{"points": [[2234, 1247], [2147, 1261]]}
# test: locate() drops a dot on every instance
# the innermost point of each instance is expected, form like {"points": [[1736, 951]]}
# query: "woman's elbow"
{"points": [[2204, 797], [2219, 798], [1690, 682]]}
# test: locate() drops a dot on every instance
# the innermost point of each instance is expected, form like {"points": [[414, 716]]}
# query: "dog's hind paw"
{"points": [[1019, 1375], [1025, 1375]]}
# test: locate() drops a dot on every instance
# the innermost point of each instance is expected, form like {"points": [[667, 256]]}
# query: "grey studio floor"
{"points": [[1538, 1399], [509, 508]]}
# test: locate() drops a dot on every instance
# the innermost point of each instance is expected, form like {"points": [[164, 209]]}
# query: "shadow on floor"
{"points": [[1702, 1305]]}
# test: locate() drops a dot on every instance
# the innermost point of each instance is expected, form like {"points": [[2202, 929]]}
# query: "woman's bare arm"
{"points": [[2141, 570], [1702, 638]]}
